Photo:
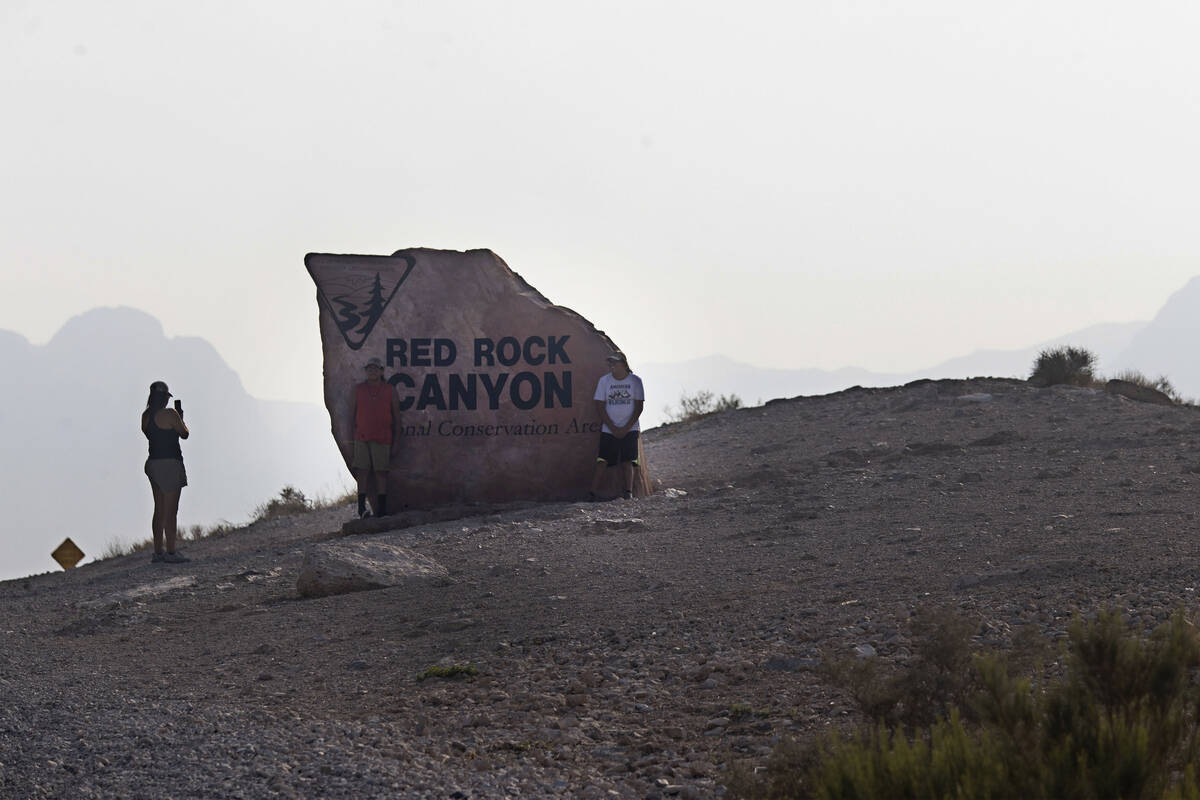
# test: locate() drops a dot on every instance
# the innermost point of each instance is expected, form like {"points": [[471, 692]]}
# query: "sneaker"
{"points": [[175, 558], [628, 495], [156, 558]]}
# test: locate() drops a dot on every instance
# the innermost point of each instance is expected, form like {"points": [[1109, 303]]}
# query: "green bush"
{"points": [[450, 672], [1119, 720], [290, 501], [293, 501], [701, 404], [935, 680], [1161, 384], [1070, 365]]}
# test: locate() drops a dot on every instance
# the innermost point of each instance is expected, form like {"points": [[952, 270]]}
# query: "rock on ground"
{"points": [[357, 564]]}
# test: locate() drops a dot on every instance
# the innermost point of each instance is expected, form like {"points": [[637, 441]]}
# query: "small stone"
{"points": [[864, 651], [782, 664], [453, 625]]}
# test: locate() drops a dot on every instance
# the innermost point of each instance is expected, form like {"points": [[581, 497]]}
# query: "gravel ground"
{"points": [[623, 649]]}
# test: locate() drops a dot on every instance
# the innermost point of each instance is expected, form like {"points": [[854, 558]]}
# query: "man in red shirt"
{"points": [[375, 410]]}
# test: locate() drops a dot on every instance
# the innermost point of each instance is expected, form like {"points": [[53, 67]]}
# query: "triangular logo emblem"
{"points": [[357, 305]]}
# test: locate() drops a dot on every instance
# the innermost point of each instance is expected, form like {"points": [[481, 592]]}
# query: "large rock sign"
{"points": [[495, 382]]}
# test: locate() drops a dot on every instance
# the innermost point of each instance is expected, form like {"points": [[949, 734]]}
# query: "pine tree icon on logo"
{"points": [[357, 308]]}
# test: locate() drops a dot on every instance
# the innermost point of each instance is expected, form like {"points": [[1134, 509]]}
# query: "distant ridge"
{"points": [[665, 382], [69, 423]]}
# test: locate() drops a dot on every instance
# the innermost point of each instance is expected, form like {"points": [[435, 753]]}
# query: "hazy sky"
{"points": [[791, 184]]}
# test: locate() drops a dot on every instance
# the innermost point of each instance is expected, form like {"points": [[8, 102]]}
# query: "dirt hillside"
{"points": [[618, 646]]}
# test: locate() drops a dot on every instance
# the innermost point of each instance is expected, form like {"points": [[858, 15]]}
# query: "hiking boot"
{"points": [[175, 558], [156, 558]]}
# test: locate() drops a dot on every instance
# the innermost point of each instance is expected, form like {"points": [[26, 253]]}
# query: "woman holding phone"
{"points": [[164, 428]]}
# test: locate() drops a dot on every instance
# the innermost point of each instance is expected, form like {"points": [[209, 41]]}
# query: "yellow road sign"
{"points": [[68, 554]]}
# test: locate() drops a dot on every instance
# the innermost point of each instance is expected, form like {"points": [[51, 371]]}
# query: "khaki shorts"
{"points": [[371, 456], [166, 474]]}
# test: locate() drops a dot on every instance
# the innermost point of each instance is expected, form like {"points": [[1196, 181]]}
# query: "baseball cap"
{"points": [[160, 386], [374, 362], [616, 355]]}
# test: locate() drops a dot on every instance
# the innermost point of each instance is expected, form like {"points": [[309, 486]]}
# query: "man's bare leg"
{"points": [[598, 477], [363, 477], [380, 504]]}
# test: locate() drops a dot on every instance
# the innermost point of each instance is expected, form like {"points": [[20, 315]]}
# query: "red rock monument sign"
{"points": [[494, 381]]}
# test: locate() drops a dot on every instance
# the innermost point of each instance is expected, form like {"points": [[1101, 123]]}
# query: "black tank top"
{"points": [[163, 443]]}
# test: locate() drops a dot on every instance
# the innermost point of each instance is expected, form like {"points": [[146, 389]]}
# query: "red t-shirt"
{"points": [[373, 412]]}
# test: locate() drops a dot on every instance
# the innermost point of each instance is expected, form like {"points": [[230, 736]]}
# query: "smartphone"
{"points": [[179, 406]]}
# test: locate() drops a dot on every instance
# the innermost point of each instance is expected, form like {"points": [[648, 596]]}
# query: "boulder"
{"points": [[1135, 391], [494, 381], [355, 566]]}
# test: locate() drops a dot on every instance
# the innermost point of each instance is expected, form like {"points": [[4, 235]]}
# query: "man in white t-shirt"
{"points": [[619, 401]]}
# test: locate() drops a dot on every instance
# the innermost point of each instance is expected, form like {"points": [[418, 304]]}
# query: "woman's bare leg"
{"points": [[170, 510], [156, 524]]}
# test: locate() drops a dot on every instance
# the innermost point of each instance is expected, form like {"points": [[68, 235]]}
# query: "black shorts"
{"points": [[619, 451]]}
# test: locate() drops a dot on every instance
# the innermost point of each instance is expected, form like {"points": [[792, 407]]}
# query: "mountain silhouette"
{"points": [[75, 452], [1166, 346]]}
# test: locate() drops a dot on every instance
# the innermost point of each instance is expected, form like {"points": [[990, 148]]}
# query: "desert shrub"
{"points": [[115, 549], [934, 681], [450, 672], [740, 712], [214, 531], [1070, 365], [290, 501], [293, 501], [701, 404], [1161, 384], [786, 777], [345, 498], [1119, 721]]}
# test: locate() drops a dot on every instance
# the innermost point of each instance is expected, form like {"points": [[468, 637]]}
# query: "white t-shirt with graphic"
{"points": [[618, 397]]}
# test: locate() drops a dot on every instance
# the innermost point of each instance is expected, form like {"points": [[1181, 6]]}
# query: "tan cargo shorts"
{"points": [[371, 456]]}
